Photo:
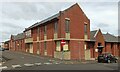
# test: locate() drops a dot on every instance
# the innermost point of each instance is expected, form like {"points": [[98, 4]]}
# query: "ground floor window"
{"points": [[45, 48], [58, 46], [38, 48], [66, 46]]}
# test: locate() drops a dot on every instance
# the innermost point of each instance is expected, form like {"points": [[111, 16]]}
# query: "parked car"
{"points": [[2, 49], [107, 58]]}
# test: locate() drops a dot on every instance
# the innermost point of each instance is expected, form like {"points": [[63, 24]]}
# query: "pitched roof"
{"points": [[18, 36], [110, 38], [51, 18], [92, 34], [6, 41], [44, 21]]}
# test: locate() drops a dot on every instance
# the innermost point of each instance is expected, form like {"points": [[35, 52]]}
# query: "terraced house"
{"points": [[65, 35]]}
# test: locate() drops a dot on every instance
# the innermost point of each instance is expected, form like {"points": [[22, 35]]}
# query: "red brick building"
{"points": [[45, 37], [111, 44], [16, 42], [71, 27], [100, 43]]}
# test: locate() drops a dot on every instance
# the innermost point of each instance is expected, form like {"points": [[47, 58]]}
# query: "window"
{"points": [[38, 46], [38, 31], [28, 33], [111, 45], [56, 27], [99, 44], [45, 29], [85, 28], [58, 47], [45, 46], [67, 22]]}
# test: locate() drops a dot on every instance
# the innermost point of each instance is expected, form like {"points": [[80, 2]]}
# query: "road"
{"points": [[24, 61]]}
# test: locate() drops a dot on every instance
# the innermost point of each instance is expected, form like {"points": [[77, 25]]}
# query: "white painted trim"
{"points": [[85, 23], [67, 18], [96, 33], [62, 39]]}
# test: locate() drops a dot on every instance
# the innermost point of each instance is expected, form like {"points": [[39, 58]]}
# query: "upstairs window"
{"points": [[67, 23], [38, 31], [28, 33], [85, 28], [45, 48], [45, 29], [56, 27]]}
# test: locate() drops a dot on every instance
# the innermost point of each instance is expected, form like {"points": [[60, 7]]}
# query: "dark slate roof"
{"points": [[92, 34], [50, 18], [110, 38], [43, 21], [118, 38], [6, 42], [18, 36]]}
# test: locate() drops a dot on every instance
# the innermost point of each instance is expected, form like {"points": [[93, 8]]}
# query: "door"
{"points": [[87, 53], [45, 49], [31, 48], [38, 48]]}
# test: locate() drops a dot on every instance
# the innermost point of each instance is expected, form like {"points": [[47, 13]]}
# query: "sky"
{"points": [[15, 15]]}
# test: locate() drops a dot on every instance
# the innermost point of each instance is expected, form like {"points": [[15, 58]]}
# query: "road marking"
{"points": [[28, 64], [16, 66], [3, 67], [57, 63], [47, 63], [38, 64]]}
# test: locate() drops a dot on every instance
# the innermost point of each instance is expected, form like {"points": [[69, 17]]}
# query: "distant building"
{"points": [[6, 44], [17, 42], [2, 45]]}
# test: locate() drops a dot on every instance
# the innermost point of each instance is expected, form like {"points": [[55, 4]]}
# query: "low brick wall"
{"points": [[60, 55]]}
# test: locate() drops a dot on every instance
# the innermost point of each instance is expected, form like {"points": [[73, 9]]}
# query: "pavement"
{"points": [[25, 61]]}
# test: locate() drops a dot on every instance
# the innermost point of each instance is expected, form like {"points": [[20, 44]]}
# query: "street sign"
{"points": [[63, 42]]}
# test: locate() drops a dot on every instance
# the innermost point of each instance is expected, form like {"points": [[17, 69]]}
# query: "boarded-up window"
{"points": [[38, 31], [28, 33], [58, 47], [85, 28], [67, 23], [45, 29], [66, 47], [56, 27], [45, 48]]}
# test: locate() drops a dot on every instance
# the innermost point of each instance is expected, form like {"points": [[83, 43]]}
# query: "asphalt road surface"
{"points": [[24, 61]]}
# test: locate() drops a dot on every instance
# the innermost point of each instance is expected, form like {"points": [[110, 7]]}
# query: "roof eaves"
{"points": [[44, 21]]}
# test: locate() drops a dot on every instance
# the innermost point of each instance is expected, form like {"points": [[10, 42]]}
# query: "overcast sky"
{"points": [[16, 16]]}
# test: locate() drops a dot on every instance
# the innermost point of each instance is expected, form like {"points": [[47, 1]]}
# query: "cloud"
{"points": [[10, 25], [16, 16]]}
